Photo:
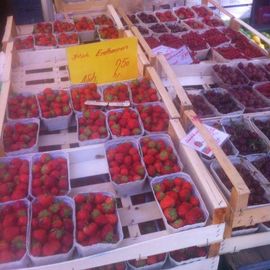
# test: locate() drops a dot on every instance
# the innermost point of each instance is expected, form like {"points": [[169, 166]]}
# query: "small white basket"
{"points": [[86, 35]]}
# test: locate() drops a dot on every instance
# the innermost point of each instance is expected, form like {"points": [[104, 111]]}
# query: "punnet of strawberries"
{"points": [[202, 11], [14, 179], [103, 20], [152, 42], [43, 28], [143, 91], [159, 156], [124, 122], [194, 24], [184, 13], [116, 93], [125, 163], [150, 260], [24, 43], [52, 226], [63, 26], [67, 38], [108, 32], [154, 117], [54, 103], [47, 40], [166, 16], [194, 41], [82, 93], [20, 106], [20, 136], [84, 24], [115, 266], [213, 21], [214, 37], [13, 223], [178, 202], [92, 125], [188, 253], [96, 219], [50, 175]]}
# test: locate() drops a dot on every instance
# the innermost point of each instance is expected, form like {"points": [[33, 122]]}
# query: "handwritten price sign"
{"points": [[102, 62]]}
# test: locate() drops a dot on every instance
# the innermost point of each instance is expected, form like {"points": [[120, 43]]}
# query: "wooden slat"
{"points": [[10, 31], [115, 16], [3, 103]]}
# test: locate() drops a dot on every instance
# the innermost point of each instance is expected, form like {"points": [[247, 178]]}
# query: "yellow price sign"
{"points": [[102, 62]]}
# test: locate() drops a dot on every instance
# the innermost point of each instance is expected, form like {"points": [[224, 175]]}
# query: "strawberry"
{"points": [[111, 218], [90, 229], [167, 202], [195, 215], [194, 201], [183, 208], [51, 248], [170, 214], [108, 206]]}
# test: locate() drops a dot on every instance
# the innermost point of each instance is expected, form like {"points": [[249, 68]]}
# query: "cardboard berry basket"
{"points": [[91, 141], [195, 191], [24, 261], [7, 160], [58, 122], [32, 149], [43, 23], [132, 187], [101, 247], [68, 44], [40, 47], [66, 20], [155, 266], [53, 154], [22, 38], [44, 260]]}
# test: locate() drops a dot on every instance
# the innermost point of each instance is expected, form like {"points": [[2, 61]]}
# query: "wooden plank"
{"points": [[151, 73], [116, 18], [5, 89], [10, 31], [124, 16]]}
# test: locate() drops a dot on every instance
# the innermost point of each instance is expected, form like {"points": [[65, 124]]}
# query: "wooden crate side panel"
{"points": [[207, 264], [5, 89], [10, 31]]}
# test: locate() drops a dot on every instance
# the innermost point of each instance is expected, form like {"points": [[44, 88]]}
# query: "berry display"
{"points": [[202, 11], [170, 40], [103, 20], [45, 40], [147, 18], [213, 22], [63, 26], [84, 24], [68, 38], [152, 42], [195, 24], [184, 13], [24, 43], [254, 73], [108, 32], [194, 41], [43, 28], [230, 52], [159, 28], [214, 37], [201, 108], [116, 93], [176, 27], [166, 16]]}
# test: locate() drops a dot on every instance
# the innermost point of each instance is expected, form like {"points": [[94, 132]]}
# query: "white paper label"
{"points": [[194, 140]]}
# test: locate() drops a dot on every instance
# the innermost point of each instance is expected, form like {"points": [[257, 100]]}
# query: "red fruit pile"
{"points": [[234, 36], [195, 24], [13, 223], [188, 253], [96, 219], [248, 49], [149, 261], [116, 93], [230, 52], [14, 179], [50, 175], [201, 107], [43, 28], [133, 19], [213, 22], [81, 94], [24, 43], [84, 24], [143, 30], [108, 32], [170, 40], [54, 103], [159, 157], [124, 122], [152, 42], [92, 125], [166, 16], [176, 27], [202, 11], [116, 266], [143, 91], [194, 41], [154, 117], [65, 38], [103, 20], [20, 136], [159, 28], [147, 18], [125, 163], [254, 72], [184, 13], [264, 89], [20, 106], [178, 202], [51, 227], [45, 40], [63, 26], [214, 37]]}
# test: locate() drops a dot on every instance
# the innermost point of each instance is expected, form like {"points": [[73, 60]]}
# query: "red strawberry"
{"points": [[90, 229], [183, 208], [39, 235], [112, 218], [195, 215], [184, 195], [167, 202], [51, 248], [107, 233], [170, 214], [194, 201]]}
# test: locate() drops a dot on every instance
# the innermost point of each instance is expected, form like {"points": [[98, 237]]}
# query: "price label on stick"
{"points": [[103, 62]]}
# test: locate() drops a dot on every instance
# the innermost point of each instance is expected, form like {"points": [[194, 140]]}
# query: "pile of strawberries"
{"points": [[195, 24], [202, 11], [83, 93], [179, 204], [43, 28], [14, 179], [194, 41], [159, 157], [20, 106], [51, 226], [116, 93], [149, 261], [103, 20], [96, 219], [54, 103], [24, 43], [125, 163], [63, 26], [124, 122], [214, 37], [154, 117], [84, 24], [13, 223], [184, 13], [45, 40], [108, 32], [188, 253], [166, 16], [143, 91], [19, 136], [92, 125], [64, 38], [116, 266], [50, 175]]}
